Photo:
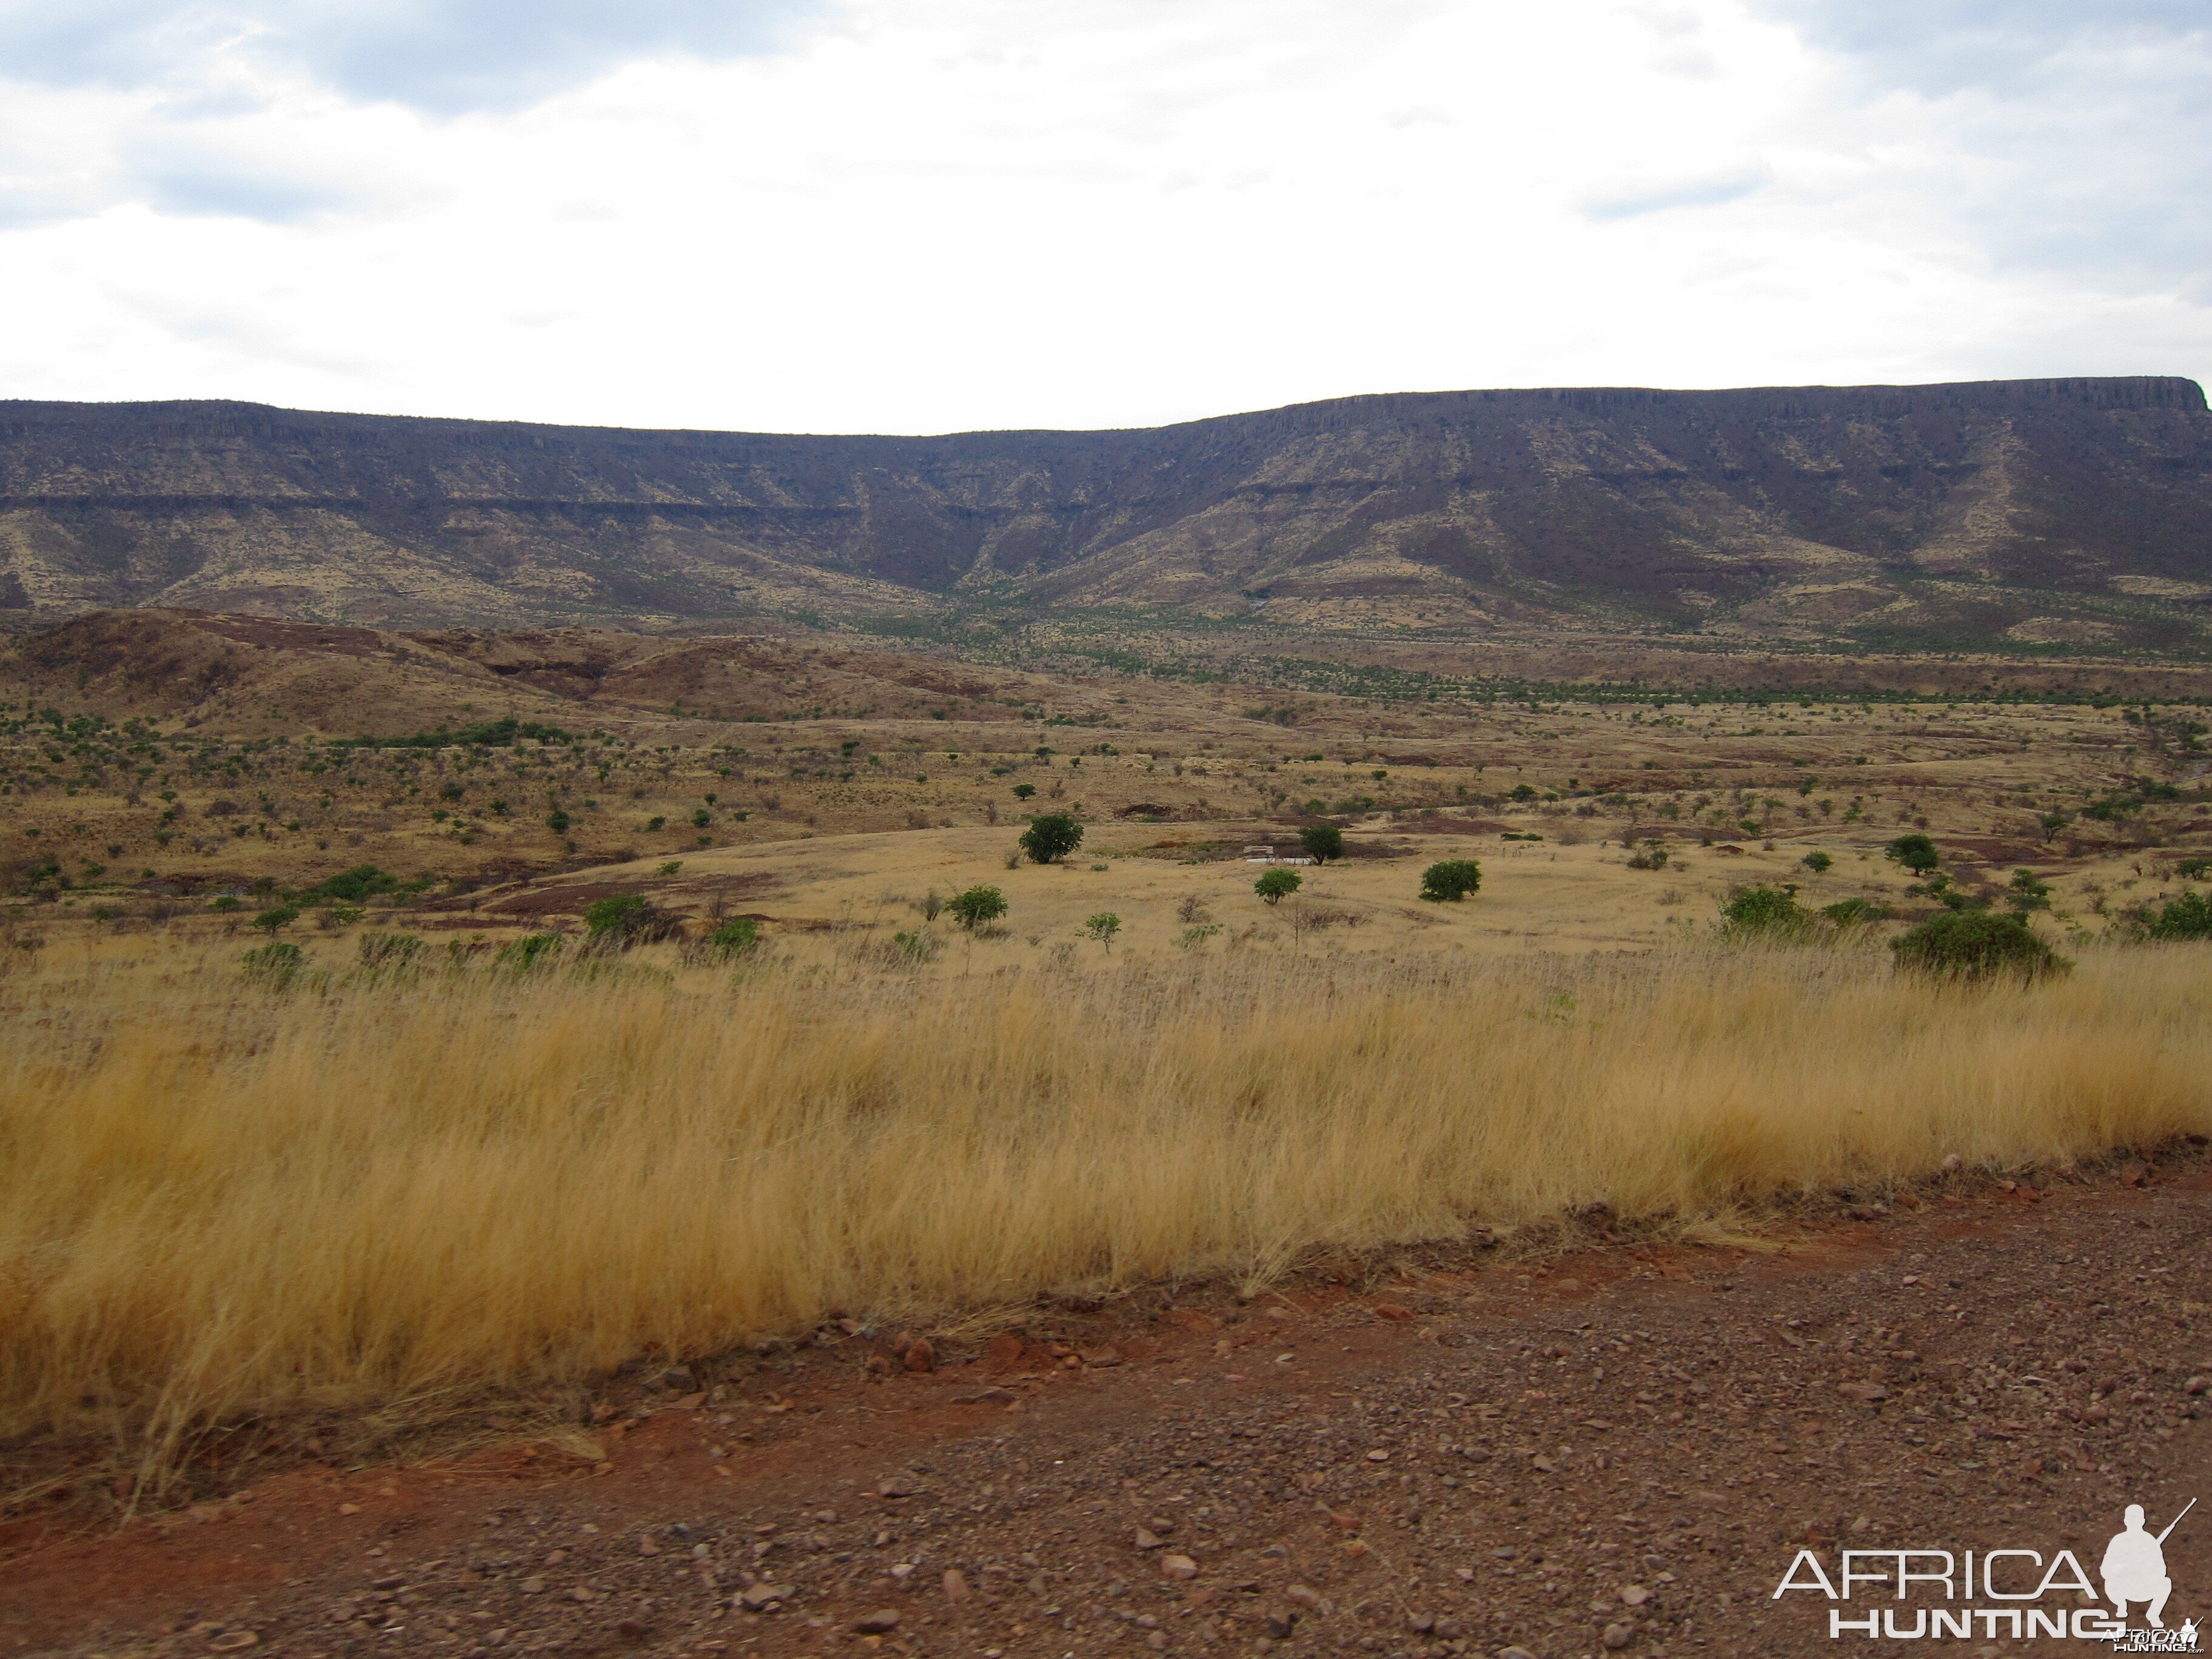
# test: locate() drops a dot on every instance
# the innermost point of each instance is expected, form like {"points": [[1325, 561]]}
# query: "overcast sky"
{"points": [[910, 216]]}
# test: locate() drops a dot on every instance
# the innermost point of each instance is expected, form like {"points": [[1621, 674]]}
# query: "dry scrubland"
{"points": [[220, 1199], [217, 1200]]}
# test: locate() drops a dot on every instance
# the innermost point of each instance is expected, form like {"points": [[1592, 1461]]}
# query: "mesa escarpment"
{"points": [[2009, 513]]}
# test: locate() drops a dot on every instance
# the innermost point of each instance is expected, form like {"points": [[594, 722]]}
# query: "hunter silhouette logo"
{"points": [[2135, 1566], [1937, 1595]]}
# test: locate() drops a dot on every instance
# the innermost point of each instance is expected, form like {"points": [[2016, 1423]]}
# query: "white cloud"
{"points": [[928, 215]]}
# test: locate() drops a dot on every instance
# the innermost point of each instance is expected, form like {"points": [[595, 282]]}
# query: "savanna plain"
{"points": [[422, 1046]]}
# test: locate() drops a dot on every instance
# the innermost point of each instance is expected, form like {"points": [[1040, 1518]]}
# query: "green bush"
{"points": [[354, 886], [1102, 927], [1276, 886], [1051, 837], [1024, 791], [2029, 892], [1450, 881], [535, 951], [740, 936], [1764, 912], [277, 918], [557, 822], [1846, 912], [1321, 841], [2189, 916], [1916, 853], [1974, 946], [978, 905], [1818, 862], [700, 817], [225, 903], [622, 919], [275, 964]]}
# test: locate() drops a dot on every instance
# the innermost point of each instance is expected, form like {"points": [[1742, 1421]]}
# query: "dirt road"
{"points": [[1622, 1451]]}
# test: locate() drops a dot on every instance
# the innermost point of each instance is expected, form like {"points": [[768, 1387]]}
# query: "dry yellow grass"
{"points": [[215, 1200]]}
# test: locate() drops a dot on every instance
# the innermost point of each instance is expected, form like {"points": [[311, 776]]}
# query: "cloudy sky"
{"points": [[916, 215]]}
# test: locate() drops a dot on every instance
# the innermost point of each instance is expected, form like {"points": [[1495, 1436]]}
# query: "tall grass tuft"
{"points": [[215, 1200]]}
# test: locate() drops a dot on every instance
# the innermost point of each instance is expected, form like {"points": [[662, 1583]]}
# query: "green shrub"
{"points": [[1051, 837], [978, 905], [1818, 862], [2029, 892], [1650, 856], [2189, 916], [533, 951], [1764, 912], [1450, 881], [740, 936], [700, 817], [915, 950], [622, 919], [1321, 841], [1024, 791], [276, 918], [1102, 927], [1974, 946], [225, 903], [1916, 853], [273, 965], [354, 886], [1276, 886], [1847, 913], [557, 822]]}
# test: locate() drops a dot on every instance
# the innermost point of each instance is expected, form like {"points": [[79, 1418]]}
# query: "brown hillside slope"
{"points": [[2028, 511]]}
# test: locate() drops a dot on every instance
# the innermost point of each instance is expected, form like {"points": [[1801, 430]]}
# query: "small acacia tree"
{"points": [[1276, 886], [978, 905], [1102, 927], [1051, 837], [1322, 842], [1450, 881], [1916, 853]]}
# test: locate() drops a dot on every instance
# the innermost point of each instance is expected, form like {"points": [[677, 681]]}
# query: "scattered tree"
{"points": [[1024, 791], [1818, 862], [1276, 886], [2029, 892], [1450, 881], [1102, 927], [1051, 837], [978, 905], [1322, 842], [277, 917], [1916, 853]]}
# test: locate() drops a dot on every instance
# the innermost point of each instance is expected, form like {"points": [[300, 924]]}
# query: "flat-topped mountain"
{"points": [[2031, 512]]}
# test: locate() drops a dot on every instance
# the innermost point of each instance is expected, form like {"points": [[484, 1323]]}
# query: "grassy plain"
{"points": [[221, 1199], [218, 1201]]}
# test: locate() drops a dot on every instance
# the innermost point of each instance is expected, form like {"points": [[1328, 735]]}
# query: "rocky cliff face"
{"points": [[2040, 511]]}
